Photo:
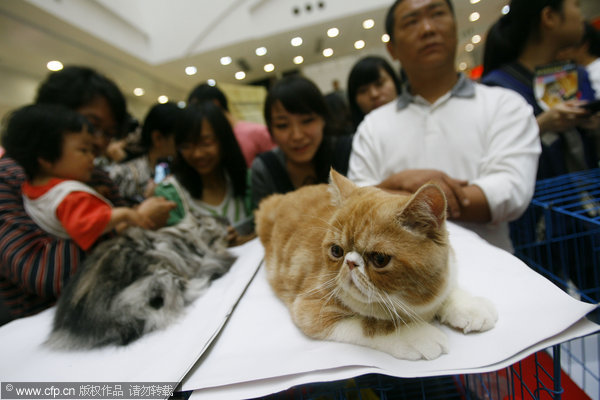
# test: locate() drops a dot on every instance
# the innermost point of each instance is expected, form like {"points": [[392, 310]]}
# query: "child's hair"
{"points": [[189, 129], [367, 70], [205, 92], [299, 95], [162, 118], [37, 131]]}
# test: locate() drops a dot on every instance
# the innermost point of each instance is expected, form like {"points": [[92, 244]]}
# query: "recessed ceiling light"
{"points": [[54, 65], [505, 9], [298, 60], [240, 75], [297, 41], [328, 52], [385, 38], [138, 91], [190, 70], [333, 32], [474, 16], [261, 51], [476, 39], [368, 23], [463, 65], [211, 82], [226, 60], [181, 104], [269, 67], [469, 47], [474, 1], [162, 99], [359, 44]]}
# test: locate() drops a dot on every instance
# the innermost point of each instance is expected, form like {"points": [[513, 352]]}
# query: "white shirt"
{"points": [[486, 135], [593, 70]]}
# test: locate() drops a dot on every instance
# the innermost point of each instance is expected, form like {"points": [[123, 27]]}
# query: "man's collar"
{"points": [[464, 88]]}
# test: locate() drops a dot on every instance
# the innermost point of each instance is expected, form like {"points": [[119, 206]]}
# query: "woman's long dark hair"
{"points": [[507, 37], [189, 129], [366, 71], [299, 95]]}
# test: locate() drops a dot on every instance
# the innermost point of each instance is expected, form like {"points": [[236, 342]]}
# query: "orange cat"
{"points": [[363, 266]]}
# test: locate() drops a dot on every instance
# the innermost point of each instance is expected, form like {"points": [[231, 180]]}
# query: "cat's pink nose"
{"points": [[351, 265]]}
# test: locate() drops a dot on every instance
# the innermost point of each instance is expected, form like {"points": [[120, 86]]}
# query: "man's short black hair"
{"points": [[389, 19], [205, 92], [77, 86]]}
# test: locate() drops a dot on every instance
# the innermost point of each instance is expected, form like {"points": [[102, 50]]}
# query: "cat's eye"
{"points": [[379, 260], [336, 251]]}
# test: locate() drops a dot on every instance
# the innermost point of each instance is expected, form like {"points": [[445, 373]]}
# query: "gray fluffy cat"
{"points": [[139, 282]]}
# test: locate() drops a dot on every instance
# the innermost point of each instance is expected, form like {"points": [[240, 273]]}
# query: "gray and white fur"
{"points": [[138, 282]]}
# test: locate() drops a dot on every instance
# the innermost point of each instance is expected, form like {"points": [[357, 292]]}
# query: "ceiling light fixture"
{"points": [[162, 99], [226, 60], [240, 75], [211, 82], [261, 51], [469, 47], [463, 65], [297, 41], [269, 67], [54, 65], [359, 44], [333, 32], [476, 39], [368, 23], [474, 16], [505, 9], [385, 38], [474, 1], [138, 91], [191, 70], [328, 52], [298, 60], [181, 104]]}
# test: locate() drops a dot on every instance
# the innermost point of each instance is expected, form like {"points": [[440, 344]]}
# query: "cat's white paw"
{"points": [[420, 341], [468, 313]]}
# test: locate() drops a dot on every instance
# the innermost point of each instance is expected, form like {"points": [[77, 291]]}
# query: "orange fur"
{"points": [[298, 230]]}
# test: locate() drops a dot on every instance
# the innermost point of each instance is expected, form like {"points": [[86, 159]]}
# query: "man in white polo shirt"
{"points": [[479, 144]]}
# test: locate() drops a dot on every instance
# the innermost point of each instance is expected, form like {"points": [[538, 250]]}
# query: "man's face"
{"points": [[100, 115], [424, 35]]}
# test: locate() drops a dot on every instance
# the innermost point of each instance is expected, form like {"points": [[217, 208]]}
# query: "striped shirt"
{"points": [[34, 265]]}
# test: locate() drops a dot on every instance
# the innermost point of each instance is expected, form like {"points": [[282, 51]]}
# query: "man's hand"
{"points": [[157, 209], [411, 180]]}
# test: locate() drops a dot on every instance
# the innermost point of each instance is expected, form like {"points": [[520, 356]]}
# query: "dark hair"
{"points": [[591, 36], [366, 71], [189, 128], [390, 17], [161, 118], [299, 95], [76, 86], [506, 38], [37, 131], [205, 92]]}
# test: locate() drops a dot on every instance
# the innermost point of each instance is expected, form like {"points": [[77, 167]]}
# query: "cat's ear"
{"points": [[425, 211], [340, 187]]}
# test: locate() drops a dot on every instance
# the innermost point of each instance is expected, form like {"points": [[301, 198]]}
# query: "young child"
{"points": [[53, 144], [209, 171]]}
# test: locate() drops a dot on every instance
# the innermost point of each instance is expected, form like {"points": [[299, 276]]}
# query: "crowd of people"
{"points": [[484, 143]]}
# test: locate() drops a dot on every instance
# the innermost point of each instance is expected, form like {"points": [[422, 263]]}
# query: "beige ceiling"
{"points": [[148, 43]]}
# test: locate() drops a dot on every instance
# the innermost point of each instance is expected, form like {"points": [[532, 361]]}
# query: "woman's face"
{"points": [[377, 93], [297, 135], [204, 153]]}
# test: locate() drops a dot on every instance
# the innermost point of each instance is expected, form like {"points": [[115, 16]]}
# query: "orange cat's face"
{"points": [[390, 261]]}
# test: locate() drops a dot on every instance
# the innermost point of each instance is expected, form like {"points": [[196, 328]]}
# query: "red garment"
{"points": [[83, 215]]}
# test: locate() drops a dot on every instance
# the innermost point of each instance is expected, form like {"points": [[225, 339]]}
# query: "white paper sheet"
{"points": [[160, 356], [261, 344]]}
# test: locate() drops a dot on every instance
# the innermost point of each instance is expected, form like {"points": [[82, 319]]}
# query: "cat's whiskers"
{"points": [[408, 311]]}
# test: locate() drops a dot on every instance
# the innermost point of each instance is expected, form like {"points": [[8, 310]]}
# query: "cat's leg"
{"points": [[468, 313], [413, 341], [330, 322]]}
